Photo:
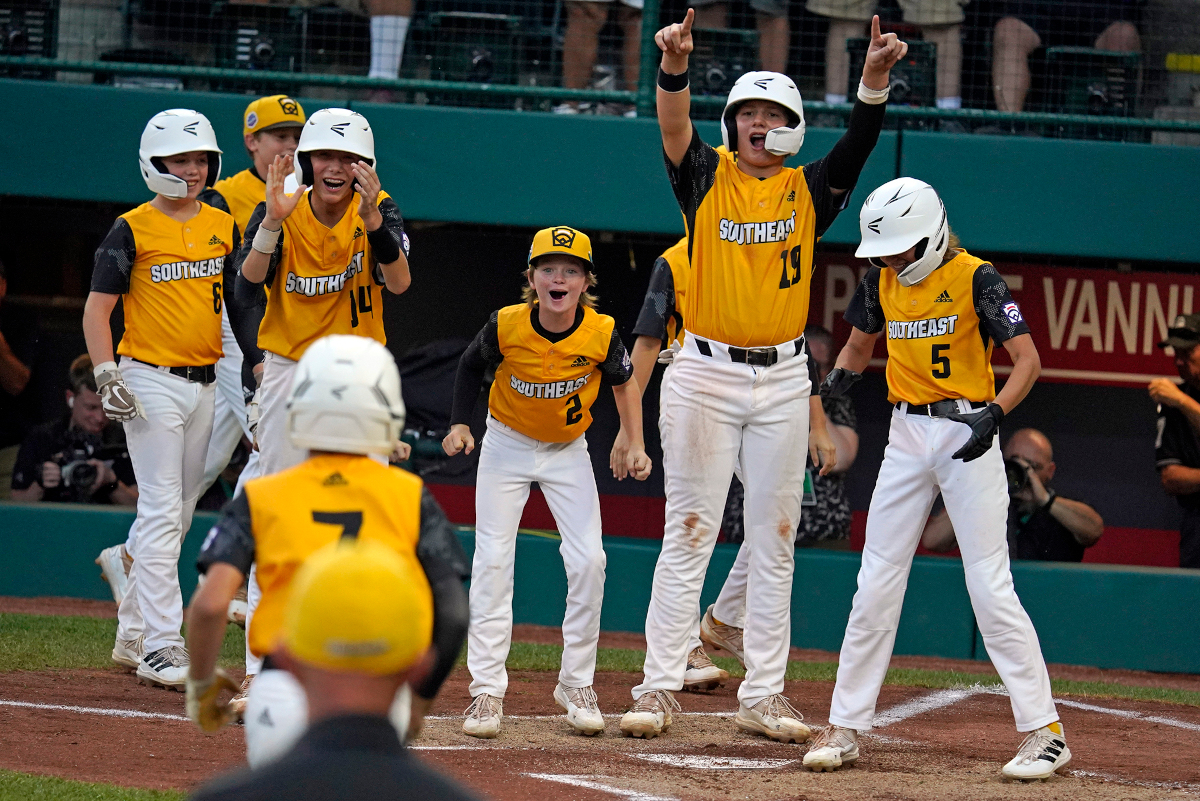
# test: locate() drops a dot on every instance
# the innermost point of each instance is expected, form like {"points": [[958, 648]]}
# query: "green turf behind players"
{"points": [[46, 788]]}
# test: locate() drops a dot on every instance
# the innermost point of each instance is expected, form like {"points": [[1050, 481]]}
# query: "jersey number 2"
{"points": [[574, 409], [941, 364], [364, 304], [795, 256], [350, 522]]}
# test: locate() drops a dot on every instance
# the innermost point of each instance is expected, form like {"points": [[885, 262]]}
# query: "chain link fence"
{"points": [[1108, 69]]}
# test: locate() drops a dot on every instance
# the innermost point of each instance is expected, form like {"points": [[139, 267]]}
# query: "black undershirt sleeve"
{"points": [[114, 260], [693, 178], [851, 152], [659, 305], [616, 367], [865, 312], [215, 199], [446, 566], [260, 212], [483, 352], [230, 540], [812, 366], [999, 315]]}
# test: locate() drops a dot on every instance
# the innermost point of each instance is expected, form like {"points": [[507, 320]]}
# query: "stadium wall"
{"points": [[1085, 615], [1009, 194]]}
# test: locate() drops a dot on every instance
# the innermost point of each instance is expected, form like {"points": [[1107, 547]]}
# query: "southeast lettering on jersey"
{"points": [[756, 232], [919, 329], [550, 391], [324, 284], [183, 270]]}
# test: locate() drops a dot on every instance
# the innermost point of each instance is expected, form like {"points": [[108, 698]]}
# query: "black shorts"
{"points": [[1074, 23]]}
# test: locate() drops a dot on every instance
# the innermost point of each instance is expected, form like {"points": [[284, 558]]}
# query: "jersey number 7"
{"points": [[350, 522]]}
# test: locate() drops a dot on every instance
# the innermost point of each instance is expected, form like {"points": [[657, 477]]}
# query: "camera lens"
{"points": [[264, 50], [80, 475], [1018, 478]]}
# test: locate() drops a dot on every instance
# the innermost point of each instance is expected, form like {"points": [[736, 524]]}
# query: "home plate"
{"points": [[713, 762]]}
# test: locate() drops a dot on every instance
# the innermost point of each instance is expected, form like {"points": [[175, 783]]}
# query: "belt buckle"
{"points": [[761, 357], [943, 408]]}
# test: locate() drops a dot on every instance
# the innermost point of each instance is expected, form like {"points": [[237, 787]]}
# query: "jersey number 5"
{"points": [[574, 409], [795, 256], [941, 364], [350, 522], [364, 304]]}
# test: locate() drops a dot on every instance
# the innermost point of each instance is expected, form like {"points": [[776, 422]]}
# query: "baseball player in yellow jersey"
{"points": [[549, 355], [659, 331], [741, 376], [167, 259], [326, 252], [943, 311], [344, 407]]}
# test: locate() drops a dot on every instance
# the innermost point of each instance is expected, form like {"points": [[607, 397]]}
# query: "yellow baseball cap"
{"points": [[561, 239], [357, 606], [276, 111]]}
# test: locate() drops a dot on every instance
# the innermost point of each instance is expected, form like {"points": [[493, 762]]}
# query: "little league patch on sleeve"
{"points": [[1013, 313]]}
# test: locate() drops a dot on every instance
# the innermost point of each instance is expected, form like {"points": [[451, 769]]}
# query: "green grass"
{"points": [[38, 642], [45, 788]]}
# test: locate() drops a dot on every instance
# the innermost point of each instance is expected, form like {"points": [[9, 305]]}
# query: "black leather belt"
{"points": [[201, 375], [757, 357], [942, 408]]}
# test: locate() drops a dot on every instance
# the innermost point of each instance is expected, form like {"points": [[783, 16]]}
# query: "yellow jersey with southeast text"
{"points": [[172, 277], [300, 510], [751, 245], [545, 385], [324, 280], [940, 332], [660, 316]]}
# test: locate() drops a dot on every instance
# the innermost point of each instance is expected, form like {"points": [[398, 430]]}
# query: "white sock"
{"points": [[949, 102], [829, 98], [387, 45]]}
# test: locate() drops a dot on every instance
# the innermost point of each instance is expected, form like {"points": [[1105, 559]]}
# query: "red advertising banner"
{"points": [[1090, 326]]}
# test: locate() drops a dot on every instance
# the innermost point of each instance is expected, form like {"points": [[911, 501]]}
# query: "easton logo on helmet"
{"points": [[562, 237], [761, 83], [339, 128], [191, 128], [874, 225]]}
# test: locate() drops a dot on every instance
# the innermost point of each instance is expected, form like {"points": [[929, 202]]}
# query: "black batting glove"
{"points": [[984, 424], [838, 382]]}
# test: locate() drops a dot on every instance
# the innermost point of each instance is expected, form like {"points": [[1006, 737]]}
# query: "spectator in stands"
{"points": [[1027, 25], [581, 41], [1042, 525], [78, 458], [357, 628], [774, 32], [940, 22], [18, 343], [1177, 449]]}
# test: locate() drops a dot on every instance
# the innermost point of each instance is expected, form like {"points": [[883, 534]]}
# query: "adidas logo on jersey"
{"points": [[335, 480], [216, 240], [580, 361], [358, 231], [944, 297], [791, 198]]}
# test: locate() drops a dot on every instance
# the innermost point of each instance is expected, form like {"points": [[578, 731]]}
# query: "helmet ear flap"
{"points": [[919, 250], [875, 262]]}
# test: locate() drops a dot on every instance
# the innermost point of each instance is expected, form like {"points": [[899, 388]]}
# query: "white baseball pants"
{"points": [[277, 715], [730, 607], [253, 591], [168, 450], [508, 462], [276, 451], [916, 464], [229, 417], [713, 413]]}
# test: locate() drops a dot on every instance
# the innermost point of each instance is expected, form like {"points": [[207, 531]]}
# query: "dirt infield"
{"points": [[100, 725]]}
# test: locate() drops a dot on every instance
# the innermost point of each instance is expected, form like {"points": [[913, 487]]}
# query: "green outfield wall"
{"points": [[1114, 617], [1004, 194]]}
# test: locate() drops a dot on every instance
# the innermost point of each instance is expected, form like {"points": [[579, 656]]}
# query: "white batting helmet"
{"points": [[333, 129], [346, 397], [170, 132], [899, 215], [773, 86]]}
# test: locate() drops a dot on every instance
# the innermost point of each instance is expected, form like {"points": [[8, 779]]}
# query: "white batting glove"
{"points": [[253, 412], [116, 397], [667, 356]]}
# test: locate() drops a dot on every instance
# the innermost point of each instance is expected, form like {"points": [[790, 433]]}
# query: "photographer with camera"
{"points": [[79, 458], [1041, 524]]}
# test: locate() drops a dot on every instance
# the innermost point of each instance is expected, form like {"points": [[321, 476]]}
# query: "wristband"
{"points": [[872, 97], [266, 239], [383, 245], [104, 367], [673, 84], [1049, 501]]}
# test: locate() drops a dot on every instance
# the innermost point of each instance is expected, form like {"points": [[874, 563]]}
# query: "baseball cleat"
{"points": [[650, 714], [701, 674], [834, 747], [114, 564], [128, 653], [483, 716], [583, 711], [718, 635], [239, 608], [773, 717], [237, 704], [167, 667], [1043, 753]]}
